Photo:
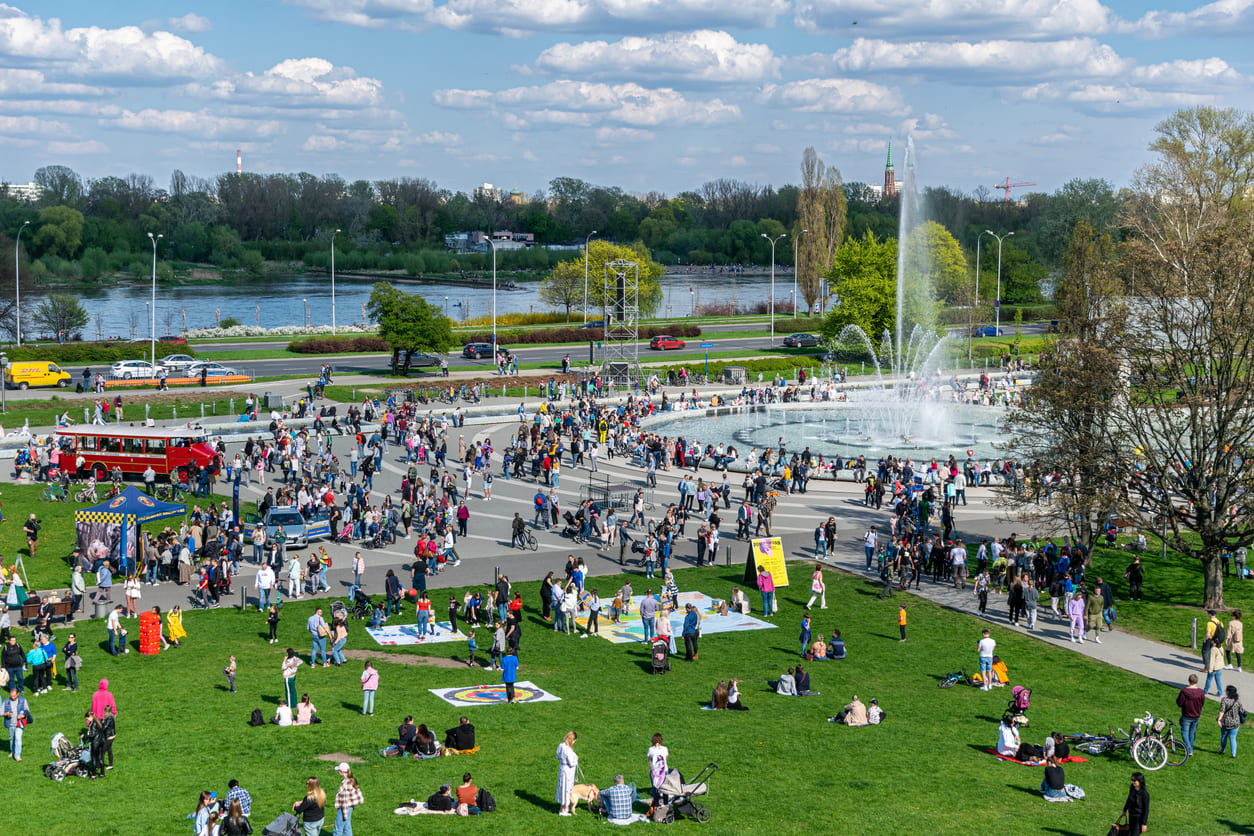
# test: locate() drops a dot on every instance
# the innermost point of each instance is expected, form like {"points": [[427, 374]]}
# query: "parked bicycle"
{"points": [[87, 493], [1146, 743], [54, 493]]}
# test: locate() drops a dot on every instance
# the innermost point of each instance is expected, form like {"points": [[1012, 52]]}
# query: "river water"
{"points": [[297, 300]]}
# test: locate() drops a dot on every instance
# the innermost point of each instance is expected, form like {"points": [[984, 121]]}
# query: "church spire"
{"points": [[890, 179], [889, 167]]}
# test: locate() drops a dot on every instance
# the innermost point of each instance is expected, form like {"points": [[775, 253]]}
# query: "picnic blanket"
{"points": [[1071, 759]]}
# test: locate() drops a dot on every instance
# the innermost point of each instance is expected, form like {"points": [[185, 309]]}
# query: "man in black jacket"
{"points": [[462, 736], [12, 658]]}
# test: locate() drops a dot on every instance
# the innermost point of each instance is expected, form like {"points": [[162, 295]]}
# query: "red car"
{"points": [[170, 339], [665, 343]]}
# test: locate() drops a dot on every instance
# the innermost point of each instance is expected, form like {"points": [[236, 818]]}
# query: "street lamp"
{"points": [[493, 246], [333, 234], [17, 284], [585, 274], [795, 243], [773, 241], [692, 297], [997, 301], [306, 304], [153, 308], [446, 307], [979, 238]]}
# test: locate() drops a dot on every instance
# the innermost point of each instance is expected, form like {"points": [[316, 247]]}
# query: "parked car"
{"points": [[988, 331], [477, 351], [128, 369], [214, 370], [177, 362], [800, 341], [595, 323], [171, 339], [665, 343], [424, 359]]}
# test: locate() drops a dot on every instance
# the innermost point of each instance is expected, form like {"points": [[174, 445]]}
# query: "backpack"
{"points": [[1218, 638], [258, 719], [485, 802]]}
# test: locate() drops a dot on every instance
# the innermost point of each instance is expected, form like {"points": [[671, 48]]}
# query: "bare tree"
{"points": [[821, 212]]}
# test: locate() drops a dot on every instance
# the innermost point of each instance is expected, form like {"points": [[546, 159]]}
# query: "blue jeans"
{"points": [[1188, 731], [820, 548], [114, 643], [152, 573], [322, 578], [423, 617], [502, 610], [367, 702], [647, 623], [768, 603], [352, 469], [263, 599], [336, 655], [15, 679], [343, 822], [1218, 677], [15, 741], [1227, 735], [312, 828], [870, 553], [1048, 793], [1108, 616], [319, 645]]}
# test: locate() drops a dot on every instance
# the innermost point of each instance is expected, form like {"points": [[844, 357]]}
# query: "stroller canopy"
{"points": [[674, 784]]}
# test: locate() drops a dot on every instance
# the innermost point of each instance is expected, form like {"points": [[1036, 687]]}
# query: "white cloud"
{"points": [[620, 134], [202, 123], [1186, 73], [320, 143], [31, 125], [1220, 18], [35, 84], [834, 95], [88, 146], [127, 52], [938, 18], [1112, 99], [190, 23], [700, 56], [369, 14], [767, 148], [300, 82], [584, 104]]}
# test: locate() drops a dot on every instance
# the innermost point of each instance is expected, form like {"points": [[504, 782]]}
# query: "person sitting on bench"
{"points": [[461, 737]]}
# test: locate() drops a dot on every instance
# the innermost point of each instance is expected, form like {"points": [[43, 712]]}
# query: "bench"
{"points": [[61, 609]]}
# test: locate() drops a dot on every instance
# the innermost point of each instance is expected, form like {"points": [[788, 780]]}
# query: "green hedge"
{"points": [[78, 353], [574, 335], [339, 345], [785, 365]]}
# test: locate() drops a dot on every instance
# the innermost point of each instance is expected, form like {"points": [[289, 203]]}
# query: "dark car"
{"points": [[477, 351], [596, 323], [800, 341], [665, 343], [988, 331]]}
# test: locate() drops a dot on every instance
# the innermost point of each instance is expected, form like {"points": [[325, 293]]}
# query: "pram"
{"points": [[68, 759], [679, 794], [572, 526], [661, 656], [346, 534], [361, 604], [285, 825], [1020, 702], [338, 610]]}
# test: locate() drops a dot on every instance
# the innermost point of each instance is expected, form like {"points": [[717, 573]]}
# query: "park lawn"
{"points": [[43, 414], [924, 771], [1172, 594], [49, 569]]}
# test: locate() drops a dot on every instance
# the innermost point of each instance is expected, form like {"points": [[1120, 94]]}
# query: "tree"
{"points": [[934, 258], [60, 231], [864, 275], [1062, 427], [564, 286], [59, 185], [821, 216], [1190, 341], [60, 313], [600, 285], [1092, 200], [408, 324]]}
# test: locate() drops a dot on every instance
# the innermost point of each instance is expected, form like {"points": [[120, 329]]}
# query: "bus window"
{"points": [[110, 445], [133, 445], [87, 442], [155, 446]]}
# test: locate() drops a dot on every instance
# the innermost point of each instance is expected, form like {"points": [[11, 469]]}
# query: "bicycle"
{"points": [[54, 493], [87, 494], [529, 540], [171, 492], [1147, 750], [950, 680], [1164, 730]]}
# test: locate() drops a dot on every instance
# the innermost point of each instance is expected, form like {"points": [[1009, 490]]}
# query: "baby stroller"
{"points": [[285, 825], [679, 795], [68, 759], [361, 604], [346, 534], [660, 653], [1020, 702], [572, 527], [338, 610]]}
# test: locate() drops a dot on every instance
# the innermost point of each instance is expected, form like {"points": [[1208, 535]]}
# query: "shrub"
{"points": [[574, 335], [339, 345]]}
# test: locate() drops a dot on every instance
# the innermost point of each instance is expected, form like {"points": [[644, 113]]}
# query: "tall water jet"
{"points": [[910, 217]]}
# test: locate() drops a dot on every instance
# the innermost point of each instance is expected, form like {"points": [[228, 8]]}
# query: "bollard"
{"points": [[215, 407], [202, 410], [175, 411], [146, 409], [232, 406], [86, 417], [1193, 637]]}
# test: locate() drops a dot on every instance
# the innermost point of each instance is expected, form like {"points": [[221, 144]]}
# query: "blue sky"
{"points": [[649, 95]]}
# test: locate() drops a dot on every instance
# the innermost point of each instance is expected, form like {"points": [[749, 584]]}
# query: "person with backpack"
{"points": [[1213, 654], [1134, 575]]}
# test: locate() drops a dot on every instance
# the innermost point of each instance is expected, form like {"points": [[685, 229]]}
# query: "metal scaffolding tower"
{"points": [[620, 353]]}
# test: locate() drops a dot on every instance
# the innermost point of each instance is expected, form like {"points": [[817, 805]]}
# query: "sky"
{"points": [[647, 95]]}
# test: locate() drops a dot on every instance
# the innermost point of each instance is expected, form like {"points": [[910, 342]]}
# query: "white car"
{"points": [[127, 369], [178, 362], [213, 369]]}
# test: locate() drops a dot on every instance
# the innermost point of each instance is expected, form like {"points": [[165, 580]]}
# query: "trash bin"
{"points": [[273, 401], [734, 374], [100, 609]]}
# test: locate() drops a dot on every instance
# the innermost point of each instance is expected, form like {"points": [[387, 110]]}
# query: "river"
{"points": [[296, 300]]}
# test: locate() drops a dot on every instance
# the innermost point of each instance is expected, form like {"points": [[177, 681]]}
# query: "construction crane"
{"points": [[1007, 186]]}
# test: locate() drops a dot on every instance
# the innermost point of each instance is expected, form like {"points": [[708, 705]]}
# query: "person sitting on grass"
{"points": [[802, 677], [406, 734], [442, 800], [617, 801], [424, 742], [786, 685], [836, 647], [874, 714], [462, 736], [818, 650], [1009, 745], [282, 714], [718, 701], [1055, 783], [853, 714]]}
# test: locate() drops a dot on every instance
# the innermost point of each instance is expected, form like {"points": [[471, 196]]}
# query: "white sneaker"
{"points": [[1098, 640], [1081, 639]]}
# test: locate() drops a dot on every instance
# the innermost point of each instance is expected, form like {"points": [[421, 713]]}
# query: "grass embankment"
{"points": [[44, 413], [180, 731], [48, 568]]}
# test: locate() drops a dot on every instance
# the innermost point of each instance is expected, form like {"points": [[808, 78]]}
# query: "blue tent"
{"points": [[115, 522]]}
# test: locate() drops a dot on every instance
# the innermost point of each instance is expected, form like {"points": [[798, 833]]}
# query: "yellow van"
{"points": [[25, 375]]}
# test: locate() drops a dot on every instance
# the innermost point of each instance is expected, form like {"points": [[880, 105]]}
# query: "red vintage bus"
{"points": [[168, 450]]}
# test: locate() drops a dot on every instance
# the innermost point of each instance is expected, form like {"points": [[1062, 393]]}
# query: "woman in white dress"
{"points": [[567, 761]]}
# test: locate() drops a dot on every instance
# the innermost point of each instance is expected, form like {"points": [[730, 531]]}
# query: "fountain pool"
{"points": [[849, 429]]}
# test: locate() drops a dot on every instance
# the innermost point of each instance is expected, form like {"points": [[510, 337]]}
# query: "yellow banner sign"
{"points": [[768, 552]]}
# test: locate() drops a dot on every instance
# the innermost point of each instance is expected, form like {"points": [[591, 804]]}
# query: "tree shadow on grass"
{"points": [[534, 800]]}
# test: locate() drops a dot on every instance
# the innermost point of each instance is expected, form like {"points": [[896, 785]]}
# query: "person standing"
{"points": [[648, 612], [369, 684], [1093, 613], [766, 585], [1213, 655], [984, 648], [567, 763], [1135, 576], [318, 630], [265, 584], [347, 798], [509, 672], [657, 757], [1235, 645], [901, 621], [817, 589], [691, 632], [16, 714], [1190, 699], [1136, 808], [869, 541], [1075, 613], [312, 808], [291, 662], [1231, 715]]}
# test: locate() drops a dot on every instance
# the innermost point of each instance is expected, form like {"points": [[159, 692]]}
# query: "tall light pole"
{"points": [[997, 301], [979, 238], [773, 241], [17, 280], [153, 311], [795, 244], [692, 297], [333, 234], [493, 246], [585, 274], [306, 304]]}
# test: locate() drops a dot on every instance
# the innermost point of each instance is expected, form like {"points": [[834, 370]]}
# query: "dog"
{"points": [[586, 793]]}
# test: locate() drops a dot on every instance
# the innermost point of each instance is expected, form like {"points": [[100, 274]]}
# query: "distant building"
{"points": [[488, 192], [477, 242], [24, 191], [890, 178], [516, 196]]}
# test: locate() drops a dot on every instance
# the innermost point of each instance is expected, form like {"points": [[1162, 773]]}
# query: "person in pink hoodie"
{"points": [[766, 585], [103, 698]]}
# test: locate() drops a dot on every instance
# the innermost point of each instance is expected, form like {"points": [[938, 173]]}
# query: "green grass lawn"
{"points": [[924, 771], [48, 568], [44, 413]]}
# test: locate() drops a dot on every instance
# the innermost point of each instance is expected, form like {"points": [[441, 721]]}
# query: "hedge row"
{"points": [[339, 345], [785, 365], [75, 353], [574, 335]]}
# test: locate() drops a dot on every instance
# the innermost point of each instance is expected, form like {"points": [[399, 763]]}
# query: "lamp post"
{"points": [[446, 307], [306, 304], [795, 245], [585, 274], [17, 283], [493, 246], [333, 234], [153, 308], [692, 297], [4, 368], [979, 238], [997, 301], [773, 241]]}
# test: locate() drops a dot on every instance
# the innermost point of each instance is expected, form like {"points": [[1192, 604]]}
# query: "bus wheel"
{"points": [[100, 473]]}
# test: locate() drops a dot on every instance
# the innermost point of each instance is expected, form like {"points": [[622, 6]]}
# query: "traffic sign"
{"points": [[707, 345]]}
